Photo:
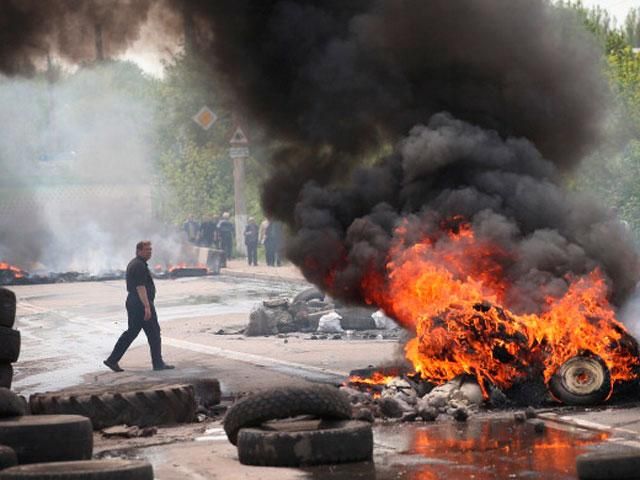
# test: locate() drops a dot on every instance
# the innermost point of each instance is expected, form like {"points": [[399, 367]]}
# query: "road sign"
{"points": [[239, 137], [205, 118], [238, 152]]}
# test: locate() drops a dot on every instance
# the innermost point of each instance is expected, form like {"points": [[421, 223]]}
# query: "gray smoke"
{"points": [[481, 106]]}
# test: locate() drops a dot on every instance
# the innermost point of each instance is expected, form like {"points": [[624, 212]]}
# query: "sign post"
{"points": [[239, 151]]}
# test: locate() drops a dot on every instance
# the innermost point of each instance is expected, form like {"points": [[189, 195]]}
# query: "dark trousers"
{"points": [[252, 253], [270, 253], [227, 245], [151, 327]]}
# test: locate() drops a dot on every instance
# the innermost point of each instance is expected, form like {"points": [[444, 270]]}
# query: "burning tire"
{"points": [[6, 375], [333, 442], [113, 469], [581, 380], [320, 400], [47, 438], [7, 308], [9, 345], [131, 405]]}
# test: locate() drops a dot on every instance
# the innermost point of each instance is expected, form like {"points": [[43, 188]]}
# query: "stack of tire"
{"points": [[46, 446], [9, 338], [333, 438]]}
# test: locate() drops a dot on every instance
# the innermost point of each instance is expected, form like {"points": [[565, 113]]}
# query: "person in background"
{"points": [[207, 231], [191, 228], [251, 232], [141, 311], [273, 243], [225, 230]]}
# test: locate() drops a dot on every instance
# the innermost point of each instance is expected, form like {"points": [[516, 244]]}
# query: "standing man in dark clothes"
{"points": [[225, 230], [191, 228], [271, 242], [140, 310], [207, 230], [251, 241]]}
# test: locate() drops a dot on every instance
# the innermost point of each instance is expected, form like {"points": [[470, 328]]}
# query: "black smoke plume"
{"points": [[482, 107]]}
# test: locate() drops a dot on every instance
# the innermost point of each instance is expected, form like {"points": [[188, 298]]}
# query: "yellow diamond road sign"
{"points": [[205, 118]]}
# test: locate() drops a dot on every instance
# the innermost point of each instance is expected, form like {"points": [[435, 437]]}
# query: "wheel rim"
{"points": [[582, 375]]}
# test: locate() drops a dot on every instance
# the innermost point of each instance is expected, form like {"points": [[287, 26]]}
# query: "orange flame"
{"points": [[172, 268], [377, 378], [450, 290], [16, 271]]}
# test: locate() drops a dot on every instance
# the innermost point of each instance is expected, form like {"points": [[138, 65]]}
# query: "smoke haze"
{"points": [[483, 105]]}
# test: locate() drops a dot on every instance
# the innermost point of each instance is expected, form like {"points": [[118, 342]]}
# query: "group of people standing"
{"points": [[218, 232], [212, 232]]}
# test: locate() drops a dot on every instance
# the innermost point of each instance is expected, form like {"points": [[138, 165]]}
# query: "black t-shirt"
{"points": [[138, 274]]}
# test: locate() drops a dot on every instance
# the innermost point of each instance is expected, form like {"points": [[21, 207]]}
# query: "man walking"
{"points": [[141, 311]]}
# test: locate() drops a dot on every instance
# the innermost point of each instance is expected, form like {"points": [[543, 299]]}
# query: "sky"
{"points": [[617, 8]]}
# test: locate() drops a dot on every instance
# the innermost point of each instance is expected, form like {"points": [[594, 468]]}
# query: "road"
{"points": [[68, 329]]}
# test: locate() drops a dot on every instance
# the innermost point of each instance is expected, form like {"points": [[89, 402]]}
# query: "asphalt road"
{"points": [[68, 329]]}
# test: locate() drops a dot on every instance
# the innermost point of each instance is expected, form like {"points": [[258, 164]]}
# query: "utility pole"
{"points": [[239, 152]]}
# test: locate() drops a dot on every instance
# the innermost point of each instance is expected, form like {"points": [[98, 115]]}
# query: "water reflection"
{"points": [[498, 449]]}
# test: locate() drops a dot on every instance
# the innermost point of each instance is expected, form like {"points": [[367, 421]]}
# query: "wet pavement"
{"points": [[68, 329]]}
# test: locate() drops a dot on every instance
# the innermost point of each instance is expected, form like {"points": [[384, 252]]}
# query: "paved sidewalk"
{"points": [[238, 267]]}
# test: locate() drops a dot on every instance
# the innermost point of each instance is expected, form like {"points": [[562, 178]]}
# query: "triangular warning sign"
{"points": [[239, 138]]}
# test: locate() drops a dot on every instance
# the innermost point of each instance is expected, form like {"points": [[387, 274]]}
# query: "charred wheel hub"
{"points": [[581, 380]]}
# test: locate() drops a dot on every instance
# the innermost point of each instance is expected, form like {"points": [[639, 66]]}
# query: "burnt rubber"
{"points": [[618, 465], [7, 308], [308, 294], [9, 345], [48, 438], [8, 457], [333, 442], [11, 405], [144, 407], [581, 380], [6, 375], [112, 469], [322, 401]]}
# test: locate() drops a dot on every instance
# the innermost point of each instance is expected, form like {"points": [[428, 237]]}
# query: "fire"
{"points": [[172, 268], [377, 378], [450, 290], [16, 271]]}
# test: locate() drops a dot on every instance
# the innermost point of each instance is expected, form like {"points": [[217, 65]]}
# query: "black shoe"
{"points": [[164, 366], [113, 366]]}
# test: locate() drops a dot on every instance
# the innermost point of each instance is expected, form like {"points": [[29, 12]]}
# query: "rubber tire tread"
{"points": [[48, 438], [8, 457], [9, 345], [160, 405], [345, 441], [619, 465], [7, 308], [6, 375], [113, 469], [558, 390], [322, 401], [308, 294]]}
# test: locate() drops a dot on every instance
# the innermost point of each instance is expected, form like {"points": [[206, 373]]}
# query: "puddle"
{"points": [[482, 449]]}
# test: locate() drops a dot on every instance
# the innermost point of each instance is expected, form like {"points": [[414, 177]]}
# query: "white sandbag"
{"points": [[330, 323], [382, 321]]}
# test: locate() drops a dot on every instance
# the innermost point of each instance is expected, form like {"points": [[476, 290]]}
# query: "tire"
{"points": [[619, 465], [48, 438], [9, 345], [11, 405], [8, 457], [337, 442], [6, 375], [322, 401], [7, 308], [160, 405], [308, 294], [112, 469], [581, 380]]}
